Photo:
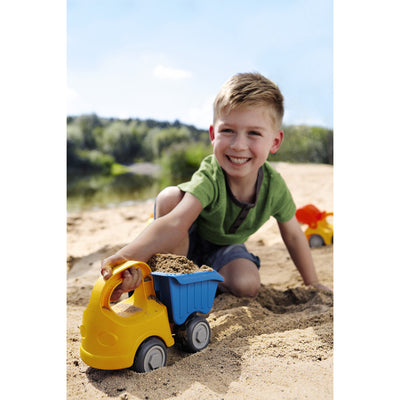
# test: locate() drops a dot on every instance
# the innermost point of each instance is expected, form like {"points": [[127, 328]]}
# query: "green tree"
{"points": [[160, 139], [87, 123], [303, 143], [181, 160], [120, 140]]}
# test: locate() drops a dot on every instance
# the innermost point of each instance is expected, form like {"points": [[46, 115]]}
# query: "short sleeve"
{"points": [[203, 183], [283, 207]]}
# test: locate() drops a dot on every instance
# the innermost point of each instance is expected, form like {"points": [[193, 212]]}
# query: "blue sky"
{"points": [[167, 59]]}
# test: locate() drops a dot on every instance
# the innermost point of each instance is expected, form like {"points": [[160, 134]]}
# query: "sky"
{"points": [[166, 60]]}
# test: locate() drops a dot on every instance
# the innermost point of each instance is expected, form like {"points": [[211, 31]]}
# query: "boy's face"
{"points": [[242, 140]]}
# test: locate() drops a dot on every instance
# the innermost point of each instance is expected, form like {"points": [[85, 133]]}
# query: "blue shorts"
{"points": [[202, 252]]}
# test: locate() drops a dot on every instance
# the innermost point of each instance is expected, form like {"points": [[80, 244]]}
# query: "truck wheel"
{"points": [[151, 354], [197, 335], [316, 241]]}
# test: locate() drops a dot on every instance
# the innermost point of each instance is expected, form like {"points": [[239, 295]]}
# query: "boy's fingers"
{"points": [[131, 279], [106, 268], [137, 278], [116, 294], [320, 286], [106, 271], [108, 263]]}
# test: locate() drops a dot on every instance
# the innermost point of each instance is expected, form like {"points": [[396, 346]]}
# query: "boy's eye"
{"points": [[254, 133], [226, 130]]}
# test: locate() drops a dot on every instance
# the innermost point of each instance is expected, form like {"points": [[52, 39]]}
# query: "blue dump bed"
{"points": [[184, 294]]}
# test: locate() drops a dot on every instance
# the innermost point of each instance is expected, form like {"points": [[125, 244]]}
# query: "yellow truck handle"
{"points": [[103, 289]]}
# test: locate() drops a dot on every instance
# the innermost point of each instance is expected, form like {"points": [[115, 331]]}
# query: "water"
{"points": [[98, 191]]}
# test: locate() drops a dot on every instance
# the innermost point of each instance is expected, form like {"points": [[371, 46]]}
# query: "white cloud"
{"points": [[175, 74]]}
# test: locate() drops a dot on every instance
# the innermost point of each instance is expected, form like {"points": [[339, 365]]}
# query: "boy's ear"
{"points": [[212, 134], [277, 142]]}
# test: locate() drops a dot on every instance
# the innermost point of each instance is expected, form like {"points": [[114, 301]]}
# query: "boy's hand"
{"points": [[109, 262], [131, 277], [320, 286]]}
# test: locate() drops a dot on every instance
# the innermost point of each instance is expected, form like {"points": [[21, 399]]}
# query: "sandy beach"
{"points": [[276, 346]]}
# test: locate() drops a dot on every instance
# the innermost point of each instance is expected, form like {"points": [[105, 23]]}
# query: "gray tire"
{"points": [[197, 335], [151, 354], [316, 241]]}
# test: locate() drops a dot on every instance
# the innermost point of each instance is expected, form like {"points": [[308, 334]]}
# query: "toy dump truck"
{"points": [[319, 232], [136, 331]]}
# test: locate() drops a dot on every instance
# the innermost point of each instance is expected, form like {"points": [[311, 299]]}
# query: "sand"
{"points": [[276, 346], [174, 264]]}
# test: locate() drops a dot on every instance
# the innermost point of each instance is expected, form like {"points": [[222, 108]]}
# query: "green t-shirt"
{"points": [[224, 220]]}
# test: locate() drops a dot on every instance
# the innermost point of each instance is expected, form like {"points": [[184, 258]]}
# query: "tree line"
{"points": [[104, 145]]}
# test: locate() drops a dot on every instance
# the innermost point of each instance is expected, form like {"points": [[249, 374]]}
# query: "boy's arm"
{"points": [[299, 250], [161, 236]]}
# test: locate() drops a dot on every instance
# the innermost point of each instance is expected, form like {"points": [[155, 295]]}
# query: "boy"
{"points": [[231, 196]]}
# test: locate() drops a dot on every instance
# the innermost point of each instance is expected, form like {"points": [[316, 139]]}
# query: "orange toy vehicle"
{"points": [[319, 231]]}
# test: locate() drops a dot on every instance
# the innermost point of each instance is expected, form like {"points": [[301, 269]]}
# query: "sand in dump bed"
{"points": [[278, 345], [171, 263]]}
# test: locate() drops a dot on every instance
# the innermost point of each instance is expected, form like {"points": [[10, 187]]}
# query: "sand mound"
{"points": [[171, 263]]}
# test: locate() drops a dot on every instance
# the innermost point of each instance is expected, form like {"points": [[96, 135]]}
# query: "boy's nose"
{"points": [[239, 143]]}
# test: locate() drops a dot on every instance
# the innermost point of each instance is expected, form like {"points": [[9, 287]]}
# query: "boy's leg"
{"points": [[241, 278], [166, 201], [238, 267]]}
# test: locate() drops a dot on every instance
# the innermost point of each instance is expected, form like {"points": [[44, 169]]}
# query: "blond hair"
{"points": [[250, 89]]}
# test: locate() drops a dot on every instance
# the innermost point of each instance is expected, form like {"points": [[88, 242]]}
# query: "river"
{"points": [[87, 192]]}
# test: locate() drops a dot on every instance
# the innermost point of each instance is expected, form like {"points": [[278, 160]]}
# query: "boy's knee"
{"points": [[167, 200], [241, 278], [246, 289]]}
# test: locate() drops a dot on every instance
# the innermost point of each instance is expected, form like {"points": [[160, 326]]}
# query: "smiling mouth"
{"points": [[238, 160]]}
